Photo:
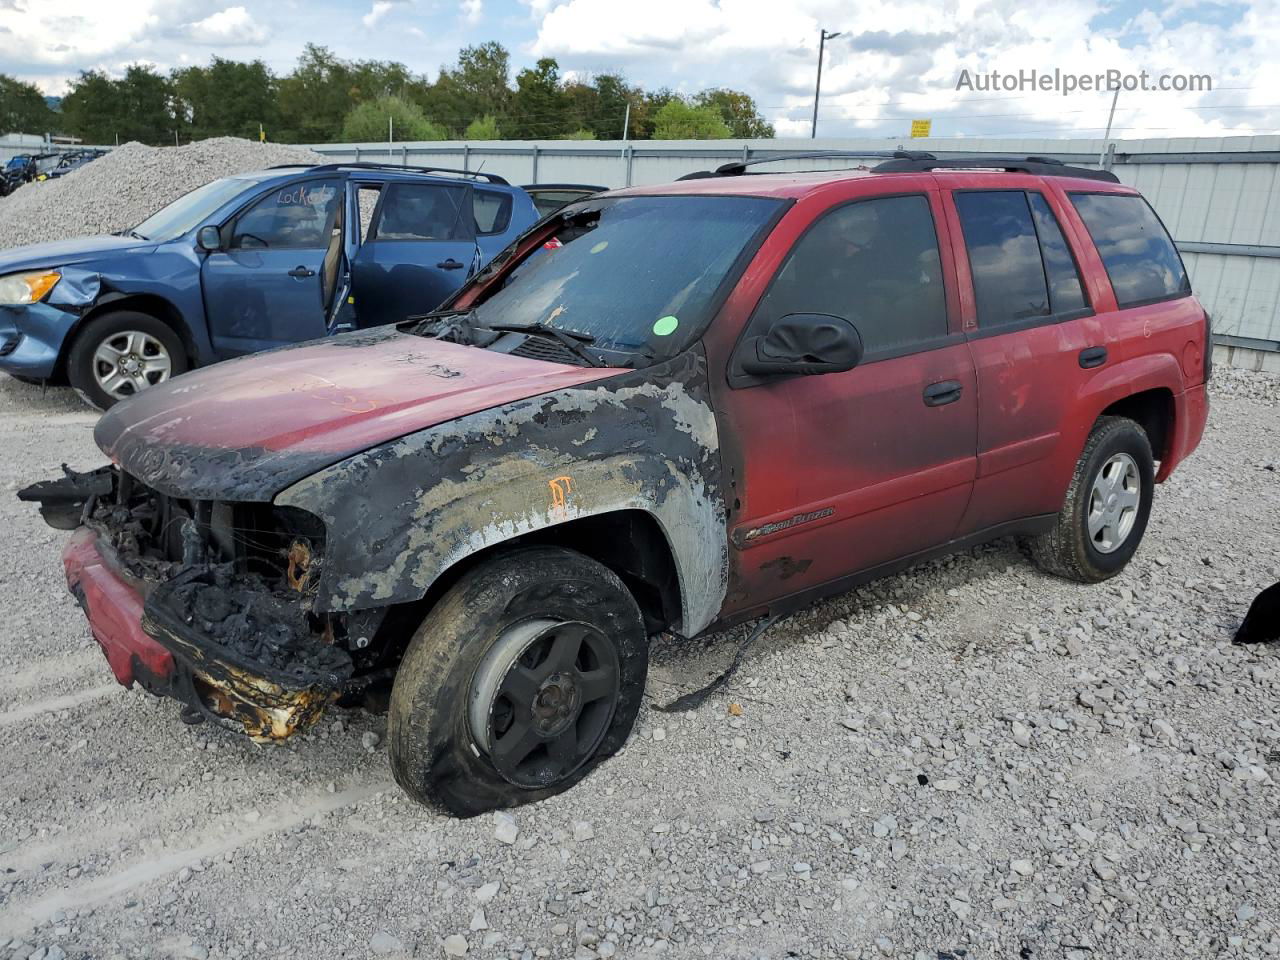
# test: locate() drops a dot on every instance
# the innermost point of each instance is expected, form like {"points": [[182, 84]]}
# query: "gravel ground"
{"points": [[968, 760], [126, 186]]}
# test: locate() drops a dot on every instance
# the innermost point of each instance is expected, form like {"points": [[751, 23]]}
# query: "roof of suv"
{"points": [[735, 180]]}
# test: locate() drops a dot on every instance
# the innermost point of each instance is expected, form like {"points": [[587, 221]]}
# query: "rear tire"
{"points": [[142, 342], [525, 676], [1107, 506]]}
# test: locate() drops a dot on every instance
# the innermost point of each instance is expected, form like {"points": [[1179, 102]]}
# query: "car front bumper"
{"points": [[167, 658], [31, 339]]}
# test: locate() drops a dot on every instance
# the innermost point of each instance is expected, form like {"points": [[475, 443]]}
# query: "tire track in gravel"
{"points": [[98, 890], [67, 666], [53, 704]]}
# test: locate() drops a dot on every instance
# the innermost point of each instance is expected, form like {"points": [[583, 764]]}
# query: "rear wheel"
{"points": [[525, 676], [120, 354], [1107, 505]]}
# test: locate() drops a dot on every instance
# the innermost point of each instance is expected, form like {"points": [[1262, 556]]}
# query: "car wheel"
{"points": [[525, 675], [117, 355], [1105, 512]]}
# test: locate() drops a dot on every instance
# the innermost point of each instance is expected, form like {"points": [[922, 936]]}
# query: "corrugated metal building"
{"points": [[1218, 196]]}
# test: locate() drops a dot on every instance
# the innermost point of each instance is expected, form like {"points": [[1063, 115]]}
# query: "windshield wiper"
{"points": [[132, 233], [573, 340], [454, 326]]}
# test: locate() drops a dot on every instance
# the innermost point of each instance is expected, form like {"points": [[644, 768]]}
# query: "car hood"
{"points": [[39, 255], [247, 428]]}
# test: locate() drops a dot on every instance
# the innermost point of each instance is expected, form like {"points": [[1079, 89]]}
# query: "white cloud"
{"points": [[899, 59], [379, 10], [232, 27], [472, 10]]}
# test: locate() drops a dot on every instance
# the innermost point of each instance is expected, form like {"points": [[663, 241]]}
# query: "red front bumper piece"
{"points": [[114, 610]]}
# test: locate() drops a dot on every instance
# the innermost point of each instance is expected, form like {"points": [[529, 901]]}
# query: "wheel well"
{"points": [[149, 304], [628, 542], [1153, 411]]}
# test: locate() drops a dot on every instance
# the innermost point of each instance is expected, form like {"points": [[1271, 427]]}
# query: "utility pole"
{"points": [[823, 37], [626, 120], [1102, 157]]}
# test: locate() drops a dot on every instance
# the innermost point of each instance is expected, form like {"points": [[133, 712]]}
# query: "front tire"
{"points": [[1107, 506], [525, 676], [120, 354]]}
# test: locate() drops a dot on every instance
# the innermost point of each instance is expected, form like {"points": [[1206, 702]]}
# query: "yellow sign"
{"points": [[262, 134], [920, 128]]}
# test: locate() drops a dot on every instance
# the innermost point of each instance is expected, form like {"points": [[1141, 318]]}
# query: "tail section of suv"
{"points": [[666, 408]]}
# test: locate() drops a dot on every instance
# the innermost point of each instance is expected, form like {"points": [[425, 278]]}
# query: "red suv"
{"points": [[663, 408]]}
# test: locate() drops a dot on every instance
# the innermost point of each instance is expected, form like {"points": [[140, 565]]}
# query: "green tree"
{"points": [[642, 121], [483, 77], [138, 106], [22, 108], [582, 134], [679, 120], [614, 96], [737, 110], [483, 128], [227, 98], [368, 121], [539, 106], [315, 98], [476, 86]]}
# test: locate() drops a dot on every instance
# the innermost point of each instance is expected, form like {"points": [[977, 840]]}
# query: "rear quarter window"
{"points": [[1135, 248]]}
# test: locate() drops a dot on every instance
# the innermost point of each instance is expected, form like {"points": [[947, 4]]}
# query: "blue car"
{"points": [[247, 263]]}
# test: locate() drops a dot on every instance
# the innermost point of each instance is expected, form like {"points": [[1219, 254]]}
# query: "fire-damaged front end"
{"points": [[208, 602], [275, 567]]}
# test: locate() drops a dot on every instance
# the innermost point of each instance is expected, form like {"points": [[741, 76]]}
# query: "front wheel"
{"points": [[521, 680], [120, 354], [1107, 505]]}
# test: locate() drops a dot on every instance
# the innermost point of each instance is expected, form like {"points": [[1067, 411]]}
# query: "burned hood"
{"points": [[247, 428]]}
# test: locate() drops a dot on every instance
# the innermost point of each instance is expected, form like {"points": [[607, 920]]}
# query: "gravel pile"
{"points": [[127, 185], [970, 760]]}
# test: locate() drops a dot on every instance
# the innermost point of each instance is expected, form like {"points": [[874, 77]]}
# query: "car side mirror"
{"points": [[805, 344], [209, 239]]}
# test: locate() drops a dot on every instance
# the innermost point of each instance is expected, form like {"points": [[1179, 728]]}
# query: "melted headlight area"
{"points": [[228, 589]]}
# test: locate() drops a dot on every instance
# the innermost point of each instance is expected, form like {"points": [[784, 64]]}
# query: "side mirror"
{"points": [[209, 239], [803, 343]]}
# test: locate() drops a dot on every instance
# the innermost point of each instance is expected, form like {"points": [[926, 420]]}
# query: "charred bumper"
{"points": [[210, 631]]}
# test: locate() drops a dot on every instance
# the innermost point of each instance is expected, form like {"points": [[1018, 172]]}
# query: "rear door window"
{"points": [[874, 263], [1140, 258], [1004, 257], [492, 211], [423, 211], [300, 215], [1066, 294]]}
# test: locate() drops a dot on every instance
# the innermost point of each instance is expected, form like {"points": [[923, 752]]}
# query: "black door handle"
{"points": [[1093, 357], [941, 393], [450, 264], [301, 272]]}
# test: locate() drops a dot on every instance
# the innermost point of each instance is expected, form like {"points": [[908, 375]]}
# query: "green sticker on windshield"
{"points": [[665, 327], [599, 247]]}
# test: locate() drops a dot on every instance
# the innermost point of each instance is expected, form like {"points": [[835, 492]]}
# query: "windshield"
{"points": [[635, 274], [191, 210]]}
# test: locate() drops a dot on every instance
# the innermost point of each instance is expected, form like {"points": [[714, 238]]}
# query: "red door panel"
{"points": [[837, 474], [872, 474]]}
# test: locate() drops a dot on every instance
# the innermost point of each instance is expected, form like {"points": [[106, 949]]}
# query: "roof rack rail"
{"points": [[490, 177], [738, 167], [1043, 166]]}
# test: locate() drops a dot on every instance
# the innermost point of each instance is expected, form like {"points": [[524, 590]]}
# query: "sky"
{"points": [[894, 60]]}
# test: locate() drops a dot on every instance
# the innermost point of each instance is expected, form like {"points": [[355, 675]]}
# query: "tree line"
{"points": [[326, 99]]}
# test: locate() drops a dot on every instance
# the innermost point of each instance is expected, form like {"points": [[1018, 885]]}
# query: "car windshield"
{"points": [[191, 210], [634, 274]]}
